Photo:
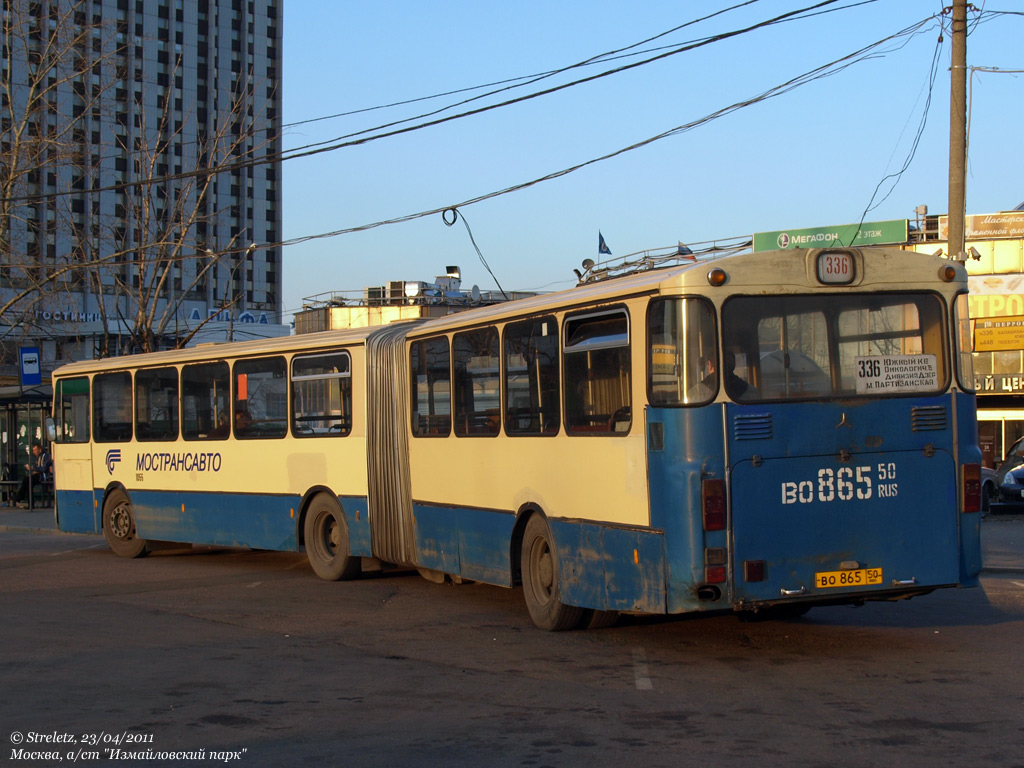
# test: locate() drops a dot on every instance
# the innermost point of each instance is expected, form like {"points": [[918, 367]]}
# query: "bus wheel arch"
{"points": [[538, 565], [118, 524], [325, 535]]}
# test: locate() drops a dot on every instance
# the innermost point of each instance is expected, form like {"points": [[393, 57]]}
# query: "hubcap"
{"points": [[120, 522], [543, 570]]}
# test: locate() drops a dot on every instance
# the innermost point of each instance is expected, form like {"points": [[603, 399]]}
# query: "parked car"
{"points": [[1011, 490], [1014, 458]]}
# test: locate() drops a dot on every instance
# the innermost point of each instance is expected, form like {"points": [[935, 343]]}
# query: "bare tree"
{"points": [[170, 253], [50, 87], [72, 128]]}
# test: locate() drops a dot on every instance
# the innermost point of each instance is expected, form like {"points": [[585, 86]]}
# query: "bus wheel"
{"points": [[326, 536], [540, 580], [119, 526]]}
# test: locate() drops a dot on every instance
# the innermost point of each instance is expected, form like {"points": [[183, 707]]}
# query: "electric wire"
{"points": [[455, 214], [607, 56], [336, 145], [826, 70], [897, 175]]}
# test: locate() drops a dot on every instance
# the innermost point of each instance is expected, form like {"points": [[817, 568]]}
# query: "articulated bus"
{"points": [[758, 433]]}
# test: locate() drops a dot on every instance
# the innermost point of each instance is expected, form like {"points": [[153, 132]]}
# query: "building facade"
{"points": [[142, 136], [995, 242]]}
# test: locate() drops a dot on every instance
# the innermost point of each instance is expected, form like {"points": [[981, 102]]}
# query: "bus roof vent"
{"points": [[754, 426], [928, 418]]}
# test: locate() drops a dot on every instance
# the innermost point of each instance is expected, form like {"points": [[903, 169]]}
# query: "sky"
{"points": [[812, 156]]}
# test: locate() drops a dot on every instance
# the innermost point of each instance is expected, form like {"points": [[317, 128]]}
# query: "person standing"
{"points": [[40, 470]]}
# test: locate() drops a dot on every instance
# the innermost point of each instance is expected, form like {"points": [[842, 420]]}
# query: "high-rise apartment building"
{"points": [[138, 146]]}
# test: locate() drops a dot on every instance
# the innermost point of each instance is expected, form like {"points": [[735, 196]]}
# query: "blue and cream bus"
{"points": [[760, 433]]}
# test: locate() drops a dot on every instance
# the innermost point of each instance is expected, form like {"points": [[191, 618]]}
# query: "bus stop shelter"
{"points": [[23, 413]]}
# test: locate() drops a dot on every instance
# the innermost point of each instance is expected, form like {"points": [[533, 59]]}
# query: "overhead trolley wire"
{"points": [[315, 149], [826, 70]]}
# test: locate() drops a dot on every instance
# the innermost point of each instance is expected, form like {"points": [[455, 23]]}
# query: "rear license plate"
{"points": [[865, 576]]}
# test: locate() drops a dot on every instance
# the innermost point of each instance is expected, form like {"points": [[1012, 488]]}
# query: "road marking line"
{"points": [[643, 679], [1018, 583], [253, 585], [71, 551]]}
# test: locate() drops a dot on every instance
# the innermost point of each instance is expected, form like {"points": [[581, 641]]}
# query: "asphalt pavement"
{"points": [[1002, 534]]}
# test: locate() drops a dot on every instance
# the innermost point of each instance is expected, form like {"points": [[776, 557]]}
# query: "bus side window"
{"points": [[477, 370], [531, 378], [322, 395], [156, 404], [205, 401], [597, 373], [431, 388], [682, 356], [71, 410], [261, 398], [112, 407]]}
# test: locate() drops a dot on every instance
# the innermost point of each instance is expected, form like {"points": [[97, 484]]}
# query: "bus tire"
{"points": [[541, 586], [326, 537], [119, 526]]}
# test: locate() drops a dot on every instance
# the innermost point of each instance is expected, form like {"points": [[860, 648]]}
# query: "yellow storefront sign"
{"points": [[994, 334]]}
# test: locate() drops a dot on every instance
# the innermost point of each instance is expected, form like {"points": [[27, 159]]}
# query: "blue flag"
{"points": [[602, 246]]}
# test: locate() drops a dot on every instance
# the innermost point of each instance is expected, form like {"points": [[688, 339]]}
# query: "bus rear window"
{"points": [[804, 347]]}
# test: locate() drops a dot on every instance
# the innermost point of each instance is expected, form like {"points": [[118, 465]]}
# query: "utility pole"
{"points": [[957, 131]]}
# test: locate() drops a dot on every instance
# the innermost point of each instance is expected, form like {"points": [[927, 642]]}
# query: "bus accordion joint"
{"points": [[971, 474], [713, 503]]}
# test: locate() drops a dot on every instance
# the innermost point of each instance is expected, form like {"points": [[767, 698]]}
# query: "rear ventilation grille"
{"points": [[928, 418], [756, 426]]}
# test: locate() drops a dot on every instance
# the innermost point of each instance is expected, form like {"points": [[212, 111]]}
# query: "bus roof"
{"points": [[218, 350], [787, 271]]}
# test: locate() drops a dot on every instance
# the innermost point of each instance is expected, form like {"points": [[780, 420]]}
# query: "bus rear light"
{"points": [[971, 474], [715, 556], [753, 570], [713, 502], [714, 574]]}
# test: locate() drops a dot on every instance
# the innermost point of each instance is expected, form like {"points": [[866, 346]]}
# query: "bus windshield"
{"points": [[803, 347]]}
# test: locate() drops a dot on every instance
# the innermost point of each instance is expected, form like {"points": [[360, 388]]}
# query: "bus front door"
{"points": [[73, 488]]}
